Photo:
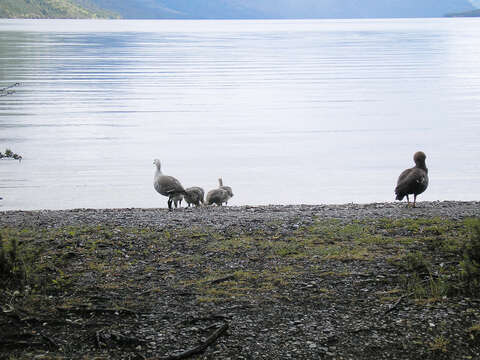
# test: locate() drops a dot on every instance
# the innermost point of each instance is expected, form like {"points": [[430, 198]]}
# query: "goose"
{"points": [[166, 185], [228, 189], [414, 180], [194, 195], [217, 196]]}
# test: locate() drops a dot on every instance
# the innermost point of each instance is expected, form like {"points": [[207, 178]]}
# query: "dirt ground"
{"points": [[376, 281]]}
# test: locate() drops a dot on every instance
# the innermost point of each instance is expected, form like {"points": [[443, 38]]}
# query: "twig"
{"points": [[398, 302], [98, 342], [197, 349], [141, 356], [222, 279], [149, 291]]}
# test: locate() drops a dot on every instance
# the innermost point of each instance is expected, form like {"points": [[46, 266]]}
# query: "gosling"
{"points": [[228, 189], [194, 195], [217, 196]]}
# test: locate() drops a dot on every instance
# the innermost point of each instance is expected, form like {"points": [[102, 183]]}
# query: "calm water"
{"points": [[285, 111]]}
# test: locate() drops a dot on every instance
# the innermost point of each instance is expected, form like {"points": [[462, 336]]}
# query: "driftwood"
{"points": [[199, 348], [5, 91]]}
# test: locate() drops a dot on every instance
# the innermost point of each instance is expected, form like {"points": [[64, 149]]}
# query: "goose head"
{"points": [[419, 157]]}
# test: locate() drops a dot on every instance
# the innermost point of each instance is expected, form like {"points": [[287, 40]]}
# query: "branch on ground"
{"points": [[6, 90], [197, 349]]}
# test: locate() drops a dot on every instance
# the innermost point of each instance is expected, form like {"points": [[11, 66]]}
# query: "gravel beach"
{"points": [[352, 281], [225, 217]]}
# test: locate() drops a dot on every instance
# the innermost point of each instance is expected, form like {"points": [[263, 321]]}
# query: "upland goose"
{"points": [[414, 180], [177, 200], [166, 185]]}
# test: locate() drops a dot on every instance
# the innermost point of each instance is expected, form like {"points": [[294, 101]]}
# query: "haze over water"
{"points": [[286, 112]]}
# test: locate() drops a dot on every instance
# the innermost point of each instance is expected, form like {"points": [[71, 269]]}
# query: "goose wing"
{"points": [[168, 185], [412, 181]]}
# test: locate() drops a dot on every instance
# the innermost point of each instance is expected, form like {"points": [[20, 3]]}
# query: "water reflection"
{"points": [[284, 111]]}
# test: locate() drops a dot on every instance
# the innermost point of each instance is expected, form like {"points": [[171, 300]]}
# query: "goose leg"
{"points": [[408, 201], [170, 204], [414, 199]]}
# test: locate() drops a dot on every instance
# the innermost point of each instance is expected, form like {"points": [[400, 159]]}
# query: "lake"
{"points": [[286, 112]]}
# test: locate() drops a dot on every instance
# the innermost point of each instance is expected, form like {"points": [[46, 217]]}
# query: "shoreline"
{"points": [[234, 216]]}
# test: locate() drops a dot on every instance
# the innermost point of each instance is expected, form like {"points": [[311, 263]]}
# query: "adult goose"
{"points": [[414, 180], [167, 185]]}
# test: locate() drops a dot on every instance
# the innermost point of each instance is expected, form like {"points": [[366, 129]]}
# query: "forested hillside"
{"points": [[474, 13], [233, 9], [39, 9]]}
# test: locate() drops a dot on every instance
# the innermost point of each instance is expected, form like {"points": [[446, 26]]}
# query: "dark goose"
{"points": [[414, 180]]}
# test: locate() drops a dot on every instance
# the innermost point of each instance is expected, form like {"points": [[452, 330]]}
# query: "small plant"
{"points": [[10, 154], [470, 266], [10, 266], [474, 332], [439, 344], [415, 262]]}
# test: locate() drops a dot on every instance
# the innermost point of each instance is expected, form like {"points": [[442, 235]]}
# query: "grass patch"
{"points": [[439, 344], [435, 257]]}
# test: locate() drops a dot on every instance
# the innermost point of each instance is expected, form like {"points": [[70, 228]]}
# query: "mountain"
{"points": [[38, 9], [232, 9], [241, 9], [474, 13], [183, 9]]}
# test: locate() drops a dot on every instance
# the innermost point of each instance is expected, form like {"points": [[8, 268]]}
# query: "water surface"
{"points": [[287, 112]]}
